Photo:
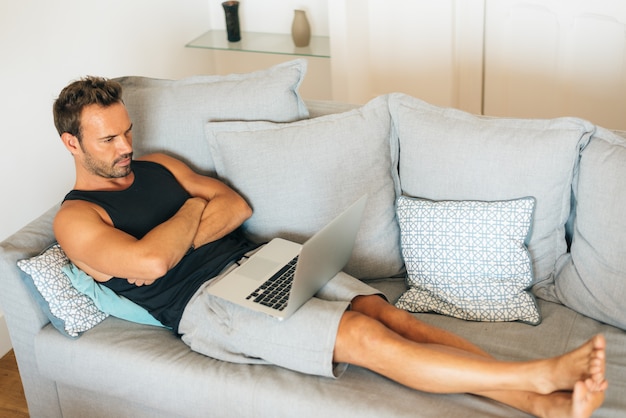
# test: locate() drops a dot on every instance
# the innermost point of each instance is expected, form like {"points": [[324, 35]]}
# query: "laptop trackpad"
{"points": [[258, 268]]}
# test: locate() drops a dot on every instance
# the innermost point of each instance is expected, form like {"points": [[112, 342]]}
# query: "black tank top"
{"points": [[154, 197]]}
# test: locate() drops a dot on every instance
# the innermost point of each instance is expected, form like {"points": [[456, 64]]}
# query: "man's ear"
{"points": [[71, 142]]}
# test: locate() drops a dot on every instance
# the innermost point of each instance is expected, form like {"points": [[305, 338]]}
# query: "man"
{"points": [[156, 232]]}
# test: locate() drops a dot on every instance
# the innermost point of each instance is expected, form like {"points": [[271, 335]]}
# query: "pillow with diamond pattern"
{"points": [[69, 311], [468, 259]]}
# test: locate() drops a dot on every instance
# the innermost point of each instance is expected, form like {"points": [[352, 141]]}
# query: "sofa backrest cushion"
{"points": [[593, 279], [448, 154], [169, 115], [298, 176]]}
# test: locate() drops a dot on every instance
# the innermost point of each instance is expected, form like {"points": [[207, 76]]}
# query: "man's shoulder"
{"points": [[157, 158], [74, 207], [176, 167]]}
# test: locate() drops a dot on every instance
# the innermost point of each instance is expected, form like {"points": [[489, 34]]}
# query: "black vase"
{"points": [[231, 10]]}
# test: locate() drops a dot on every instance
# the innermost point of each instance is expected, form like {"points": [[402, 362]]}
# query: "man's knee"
{"points": [[370, 305], [357, 335], [377, 307]]}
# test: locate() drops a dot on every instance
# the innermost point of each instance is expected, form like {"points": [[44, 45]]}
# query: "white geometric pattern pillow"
{"points": [[468, 259], [69, 311]]}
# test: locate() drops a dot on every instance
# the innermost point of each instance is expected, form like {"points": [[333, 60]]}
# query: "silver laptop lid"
{"points": [[325, 254]]}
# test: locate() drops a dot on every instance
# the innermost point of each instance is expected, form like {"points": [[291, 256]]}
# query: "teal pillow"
{"points": [[468, 259], [71, 299], [106, 299]]}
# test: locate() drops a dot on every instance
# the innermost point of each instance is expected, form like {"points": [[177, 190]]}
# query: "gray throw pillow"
{"points": [[169, 115], [298, 176]]}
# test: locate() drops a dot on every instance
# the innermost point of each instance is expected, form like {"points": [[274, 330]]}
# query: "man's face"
{"points": [[107, 140]]}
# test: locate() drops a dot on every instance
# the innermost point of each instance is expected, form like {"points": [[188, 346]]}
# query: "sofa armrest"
{"points": [[24, 317]]}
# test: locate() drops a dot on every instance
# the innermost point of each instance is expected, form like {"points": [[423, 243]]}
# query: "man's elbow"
{"points": [[155, 266], [246, 211]]}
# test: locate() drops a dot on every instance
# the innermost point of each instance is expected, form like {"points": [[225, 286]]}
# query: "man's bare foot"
{"points": [[572, 385], [586, 363], [586, 398], [577, 404]]}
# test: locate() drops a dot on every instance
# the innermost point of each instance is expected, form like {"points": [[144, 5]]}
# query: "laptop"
{"points": [[280, 277]]}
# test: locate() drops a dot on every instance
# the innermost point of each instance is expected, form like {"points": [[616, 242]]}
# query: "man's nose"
{"points": [[125, 145]]}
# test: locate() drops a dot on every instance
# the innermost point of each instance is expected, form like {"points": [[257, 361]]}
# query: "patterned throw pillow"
{"points": [[468, 259], [69, 311]]}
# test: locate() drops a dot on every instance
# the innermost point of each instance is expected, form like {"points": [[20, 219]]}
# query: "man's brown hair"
{"points": [[77, 95]]}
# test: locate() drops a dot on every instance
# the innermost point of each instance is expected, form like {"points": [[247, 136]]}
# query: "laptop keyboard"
{"points": [[274, 292]]}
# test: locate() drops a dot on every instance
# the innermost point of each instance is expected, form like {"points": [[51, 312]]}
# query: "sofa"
{"points": [[508, 232]]}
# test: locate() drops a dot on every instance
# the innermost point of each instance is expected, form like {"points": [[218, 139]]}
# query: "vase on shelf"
{"points": [[300, 29], [231, 10]]}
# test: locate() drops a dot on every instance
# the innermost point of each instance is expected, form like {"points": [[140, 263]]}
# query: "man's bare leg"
{"points": [[584, 365], [408, 326], [442, 369]]}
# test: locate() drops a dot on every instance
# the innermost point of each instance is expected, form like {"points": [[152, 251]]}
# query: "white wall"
{"points": [[45, 44]]}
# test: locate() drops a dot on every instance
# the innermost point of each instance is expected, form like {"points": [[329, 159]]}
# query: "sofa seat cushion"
{"points": [[120, 361], [123, 360], [448, 154], [116, 364], [561, 330]]}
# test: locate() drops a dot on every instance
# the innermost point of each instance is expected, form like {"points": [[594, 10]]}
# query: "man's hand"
{"points": [[141, 282]]}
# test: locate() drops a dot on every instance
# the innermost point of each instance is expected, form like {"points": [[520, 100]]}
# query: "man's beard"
{"points": [[104, 170]]}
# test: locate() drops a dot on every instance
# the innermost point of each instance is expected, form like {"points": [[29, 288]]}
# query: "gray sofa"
{"points": [[238, 128]]}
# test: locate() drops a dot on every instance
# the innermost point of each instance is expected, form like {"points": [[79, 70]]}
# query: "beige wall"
{"points": [[555, 58], [428, 49], [523, 58]]}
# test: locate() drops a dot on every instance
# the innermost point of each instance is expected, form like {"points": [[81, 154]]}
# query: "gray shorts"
{"points": [[304, 342]]}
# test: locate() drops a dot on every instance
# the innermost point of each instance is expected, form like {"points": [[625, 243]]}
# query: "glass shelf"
{"points": [[266, 43]]}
